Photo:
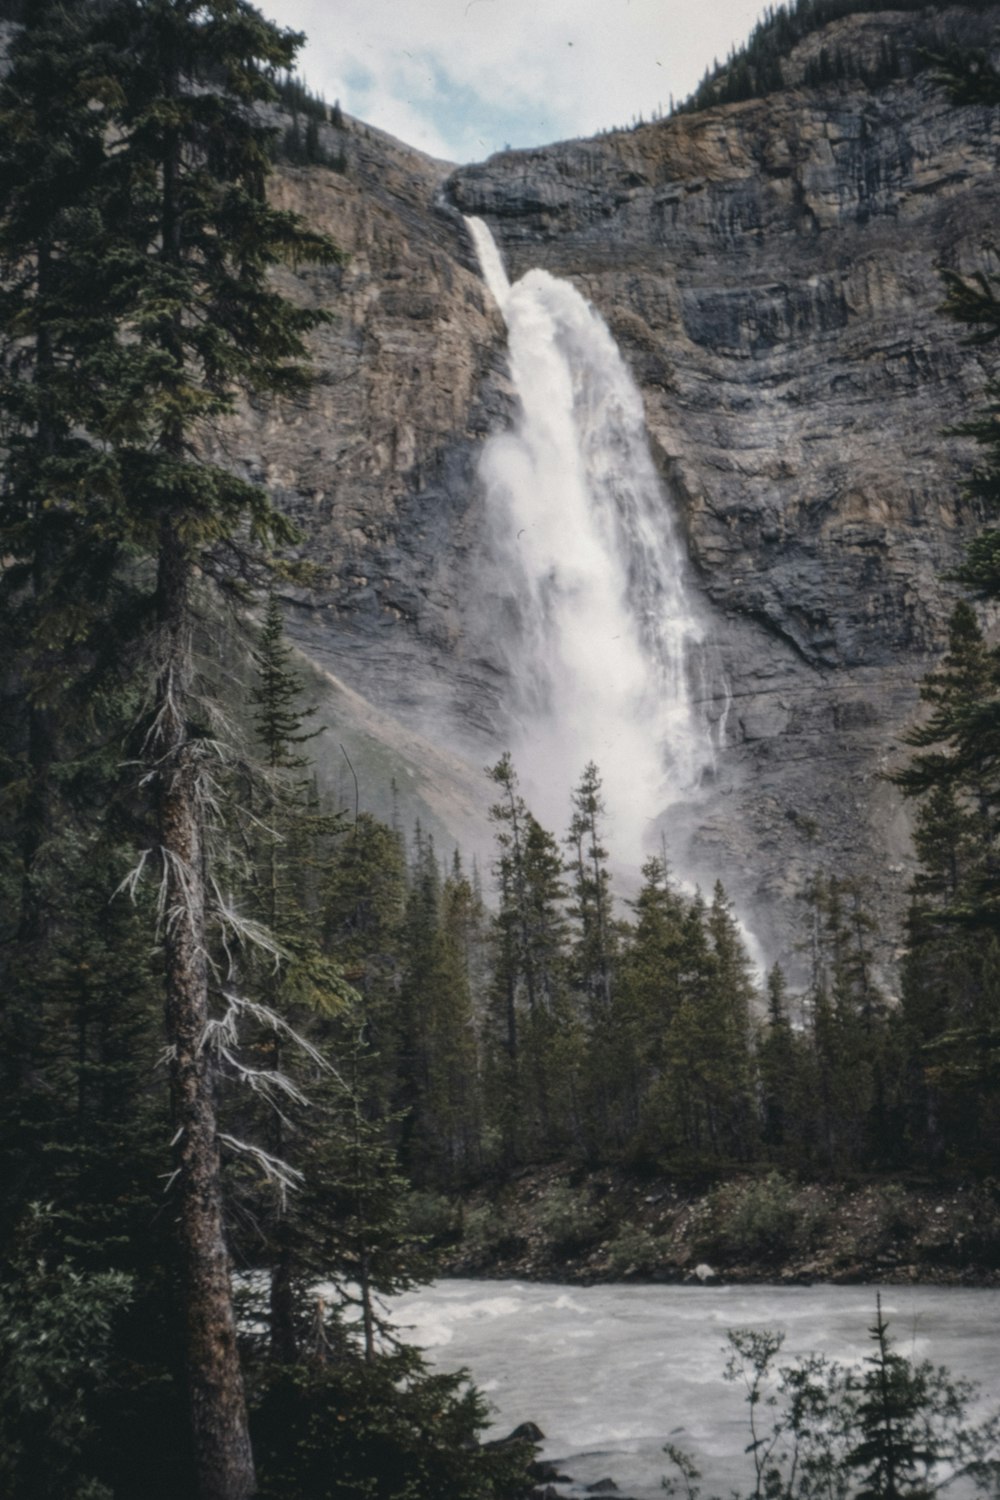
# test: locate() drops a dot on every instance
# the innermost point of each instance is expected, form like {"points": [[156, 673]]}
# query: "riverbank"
{"points": [[606, 1226]]}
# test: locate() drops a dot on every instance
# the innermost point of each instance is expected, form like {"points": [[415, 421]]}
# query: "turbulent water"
{"points": [[603, 642], [611, 1373]]}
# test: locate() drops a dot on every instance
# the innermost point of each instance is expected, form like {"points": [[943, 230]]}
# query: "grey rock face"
{"points": [[770, 271]]}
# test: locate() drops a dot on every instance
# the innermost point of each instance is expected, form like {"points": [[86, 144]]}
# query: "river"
{"points": [[611, 1373]]}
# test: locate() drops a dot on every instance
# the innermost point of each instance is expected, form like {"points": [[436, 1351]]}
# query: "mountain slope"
{"points": [[770, 270]]}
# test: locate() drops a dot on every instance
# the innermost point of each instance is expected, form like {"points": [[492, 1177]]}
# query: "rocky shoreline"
{"points": [[605, 1226], [547, 1476]]}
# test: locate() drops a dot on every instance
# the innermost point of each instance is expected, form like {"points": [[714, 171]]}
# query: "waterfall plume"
{"points": [[603, 643]]}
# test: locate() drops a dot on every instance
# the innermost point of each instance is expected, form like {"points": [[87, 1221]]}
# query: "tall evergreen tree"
{"points": [[710, 1081], [512, 965], [595, 953], [534, 1051], [588, 865], [647, 996], [177, 240], [951, 978], [285, 840], [439, 1066], [779, 1073]]}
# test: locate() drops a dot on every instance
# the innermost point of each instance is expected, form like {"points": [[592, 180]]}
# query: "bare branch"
{"points": [[132, 879], [279, 1172]]}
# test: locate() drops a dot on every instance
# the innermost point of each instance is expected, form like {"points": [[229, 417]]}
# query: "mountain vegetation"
{"points": [[241, 1027], [759, 66]]}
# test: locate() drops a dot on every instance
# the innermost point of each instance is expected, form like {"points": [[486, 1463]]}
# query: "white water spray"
{"points": [[605, 646]]}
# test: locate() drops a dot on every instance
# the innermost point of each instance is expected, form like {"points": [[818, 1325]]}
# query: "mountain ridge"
{"points": [[770, 271]]}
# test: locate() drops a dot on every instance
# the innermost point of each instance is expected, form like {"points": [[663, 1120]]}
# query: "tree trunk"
{"points": [[284, 1344], [221, 1442], [37, 819]]}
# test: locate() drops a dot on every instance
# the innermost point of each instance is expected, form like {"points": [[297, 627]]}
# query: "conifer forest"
{"points": [[254, 1042]]}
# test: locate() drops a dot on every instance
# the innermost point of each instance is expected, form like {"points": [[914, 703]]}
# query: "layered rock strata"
{"points": [[771, 272]]}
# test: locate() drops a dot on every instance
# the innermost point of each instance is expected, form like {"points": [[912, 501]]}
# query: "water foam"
{"points": [[604, 644]]}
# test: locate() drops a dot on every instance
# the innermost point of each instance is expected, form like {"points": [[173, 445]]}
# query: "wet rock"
{"points": [[770, 271], [527, 1432], [547, 1473]]}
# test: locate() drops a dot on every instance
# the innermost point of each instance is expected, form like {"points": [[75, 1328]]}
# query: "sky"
{"points": [[460, 79]]}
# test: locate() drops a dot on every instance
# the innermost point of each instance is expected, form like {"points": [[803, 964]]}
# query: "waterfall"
{"points": [[603, 643]]}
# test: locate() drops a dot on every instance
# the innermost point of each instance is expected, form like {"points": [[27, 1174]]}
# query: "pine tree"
{"points": [[295, 1085], [777, 1063], [58, 582], [534, 1043], [957, 749], [687, 1089], [592, 893], [512, 964], [456, 1074], [554, 1043], [179, 316], [710, 1037], [896, 1429], [646, 998], [952, 980], [363, 902], [594, 959], [951, 970]]}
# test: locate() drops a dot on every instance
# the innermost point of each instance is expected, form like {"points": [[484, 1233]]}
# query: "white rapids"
{"points": [[611, 1373]]}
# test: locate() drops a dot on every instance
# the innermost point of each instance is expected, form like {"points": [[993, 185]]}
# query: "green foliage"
{"points": [[820, 1431], [300, 143], [568, 1219], [277, 695], [298, 99], [436, 1096], [971, 77], [755, 69], [430, 1216], [486, 1231], [138, 304], [531, 1057], [57, 1328], [952, 968], [387, 1431], [635, 1251], [756, 1218]]}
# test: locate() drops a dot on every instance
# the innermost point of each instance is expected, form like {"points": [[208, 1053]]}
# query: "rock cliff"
{"points": [[770, 271]]}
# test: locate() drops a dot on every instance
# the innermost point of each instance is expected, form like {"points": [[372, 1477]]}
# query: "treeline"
{"points": [[567, 1025], [755, 69], [184, 1075], [385, 1024], [301, 142]]}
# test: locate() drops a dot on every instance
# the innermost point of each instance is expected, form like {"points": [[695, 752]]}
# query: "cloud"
{"points": [[462, 78]]}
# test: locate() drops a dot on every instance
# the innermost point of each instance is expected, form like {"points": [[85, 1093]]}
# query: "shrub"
{"points": [[895, 1214], [56, 1348], [388, 1430], [486, 1232], [759, 1219], [567, 1220], [889, 1430], [635, 1251], [430, 1217]]}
